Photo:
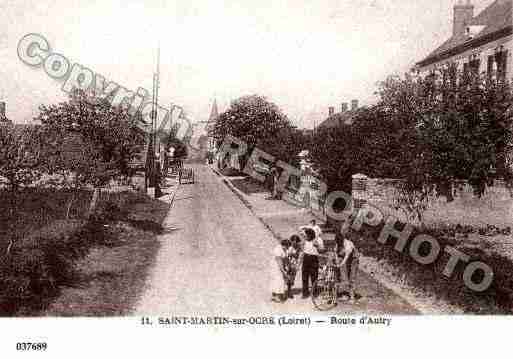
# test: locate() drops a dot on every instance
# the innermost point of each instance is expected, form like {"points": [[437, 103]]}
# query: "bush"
{"points": [[25, 280], [35, 268], [106, 212]]}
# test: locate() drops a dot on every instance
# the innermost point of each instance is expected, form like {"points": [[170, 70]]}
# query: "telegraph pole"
{"points": [[152, 160], [156, 90], [157, 163]]}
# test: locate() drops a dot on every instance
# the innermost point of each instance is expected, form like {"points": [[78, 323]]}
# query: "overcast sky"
{"points": [[303, 55]]}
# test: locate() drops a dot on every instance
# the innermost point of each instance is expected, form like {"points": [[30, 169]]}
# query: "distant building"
{"points": [[3, 117], [344, 117], [482, 43], [308, 132], [214, 114]]}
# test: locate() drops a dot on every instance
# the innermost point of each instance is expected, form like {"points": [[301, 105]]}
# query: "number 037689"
{"points": [[27, 346]]}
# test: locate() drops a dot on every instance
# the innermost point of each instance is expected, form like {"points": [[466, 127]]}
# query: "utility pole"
{"points": [[156, 90], [152, 160]]}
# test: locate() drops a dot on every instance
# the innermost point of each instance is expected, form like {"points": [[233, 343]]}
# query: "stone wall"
{"points": [[495, 207]]}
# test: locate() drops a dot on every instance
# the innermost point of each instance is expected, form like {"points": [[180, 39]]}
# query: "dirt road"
{"points": [[215, 258]]}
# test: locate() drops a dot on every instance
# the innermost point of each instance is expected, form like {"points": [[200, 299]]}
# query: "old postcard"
{"points": [[225, 166]]}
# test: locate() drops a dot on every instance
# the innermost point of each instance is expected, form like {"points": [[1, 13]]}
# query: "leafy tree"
{"points": [[20, 154], [427, 132], [171, 140], [260, 124], [69, 160], [256, 121], [467, 128], [332, 156], [110, 137]]}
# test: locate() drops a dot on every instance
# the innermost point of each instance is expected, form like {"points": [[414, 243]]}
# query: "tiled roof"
{"points": [[497, 22], [338, 119]]}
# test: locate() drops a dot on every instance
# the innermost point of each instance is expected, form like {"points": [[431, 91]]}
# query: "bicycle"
{"points": [[329, 280]]}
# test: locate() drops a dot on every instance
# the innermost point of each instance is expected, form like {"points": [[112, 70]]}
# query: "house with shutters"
{"points": [[481, 43]]}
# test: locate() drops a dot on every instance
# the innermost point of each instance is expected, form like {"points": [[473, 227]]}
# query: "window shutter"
{"points": [[505, 65], [502, 60], [489, 70]]}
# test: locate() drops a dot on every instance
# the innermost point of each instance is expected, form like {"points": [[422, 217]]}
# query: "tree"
{"points": [[20, 154], [171, 140], [467, 128], [260, 124], [332, 157], [110, 136], [427, 132], [69, 160], [256, 121]]}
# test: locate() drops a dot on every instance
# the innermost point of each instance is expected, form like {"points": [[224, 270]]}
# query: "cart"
{"points": [[175, 166], [186, 175]]}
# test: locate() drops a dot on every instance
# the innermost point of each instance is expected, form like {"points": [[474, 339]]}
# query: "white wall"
{"points": [[483, 52]]}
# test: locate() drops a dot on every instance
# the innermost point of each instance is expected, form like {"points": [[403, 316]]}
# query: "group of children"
{"points": [[303, 251]]}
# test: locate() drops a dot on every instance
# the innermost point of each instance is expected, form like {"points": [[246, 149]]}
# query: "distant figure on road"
{"points": [[277, 191], [210, 157], [168, 159], [278, 271]]}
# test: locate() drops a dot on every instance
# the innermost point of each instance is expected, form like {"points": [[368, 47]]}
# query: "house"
{"points": [[480, 43], [307, 132], [3, 118], [345, 116]]}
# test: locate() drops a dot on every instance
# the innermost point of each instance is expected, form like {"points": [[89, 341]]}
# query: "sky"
{"points": [[304, 55]]}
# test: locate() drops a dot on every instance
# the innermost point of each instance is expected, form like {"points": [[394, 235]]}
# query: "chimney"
{"points": [[463, 14], [354, 105], [331, 111], [344, 107]]}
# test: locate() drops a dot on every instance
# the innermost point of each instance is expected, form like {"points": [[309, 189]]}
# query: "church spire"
{"points": [[214, 112]]}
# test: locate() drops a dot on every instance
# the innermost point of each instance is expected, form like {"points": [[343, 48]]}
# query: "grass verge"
{"points": [[74, 267]]}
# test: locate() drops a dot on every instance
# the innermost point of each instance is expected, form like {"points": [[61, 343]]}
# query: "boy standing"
{"points": [[313, 245]]}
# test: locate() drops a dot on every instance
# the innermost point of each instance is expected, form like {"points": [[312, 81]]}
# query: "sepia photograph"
{"points": [[239, 164]]}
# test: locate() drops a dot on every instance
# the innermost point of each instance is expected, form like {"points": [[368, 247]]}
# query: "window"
{"points": [[489, 69], [466, 68], [501, 58], [497, 65], [474, 66], [453, 74], [467, 74]]}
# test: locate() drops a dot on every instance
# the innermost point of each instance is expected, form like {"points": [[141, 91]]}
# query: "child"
{"points": [[292, 263], [278, 271], [349, 261], [310, 264]]}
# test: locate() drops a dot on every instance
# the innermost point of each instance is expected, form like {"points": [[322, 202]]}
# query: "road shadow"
{"points": [[249, 186]]}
